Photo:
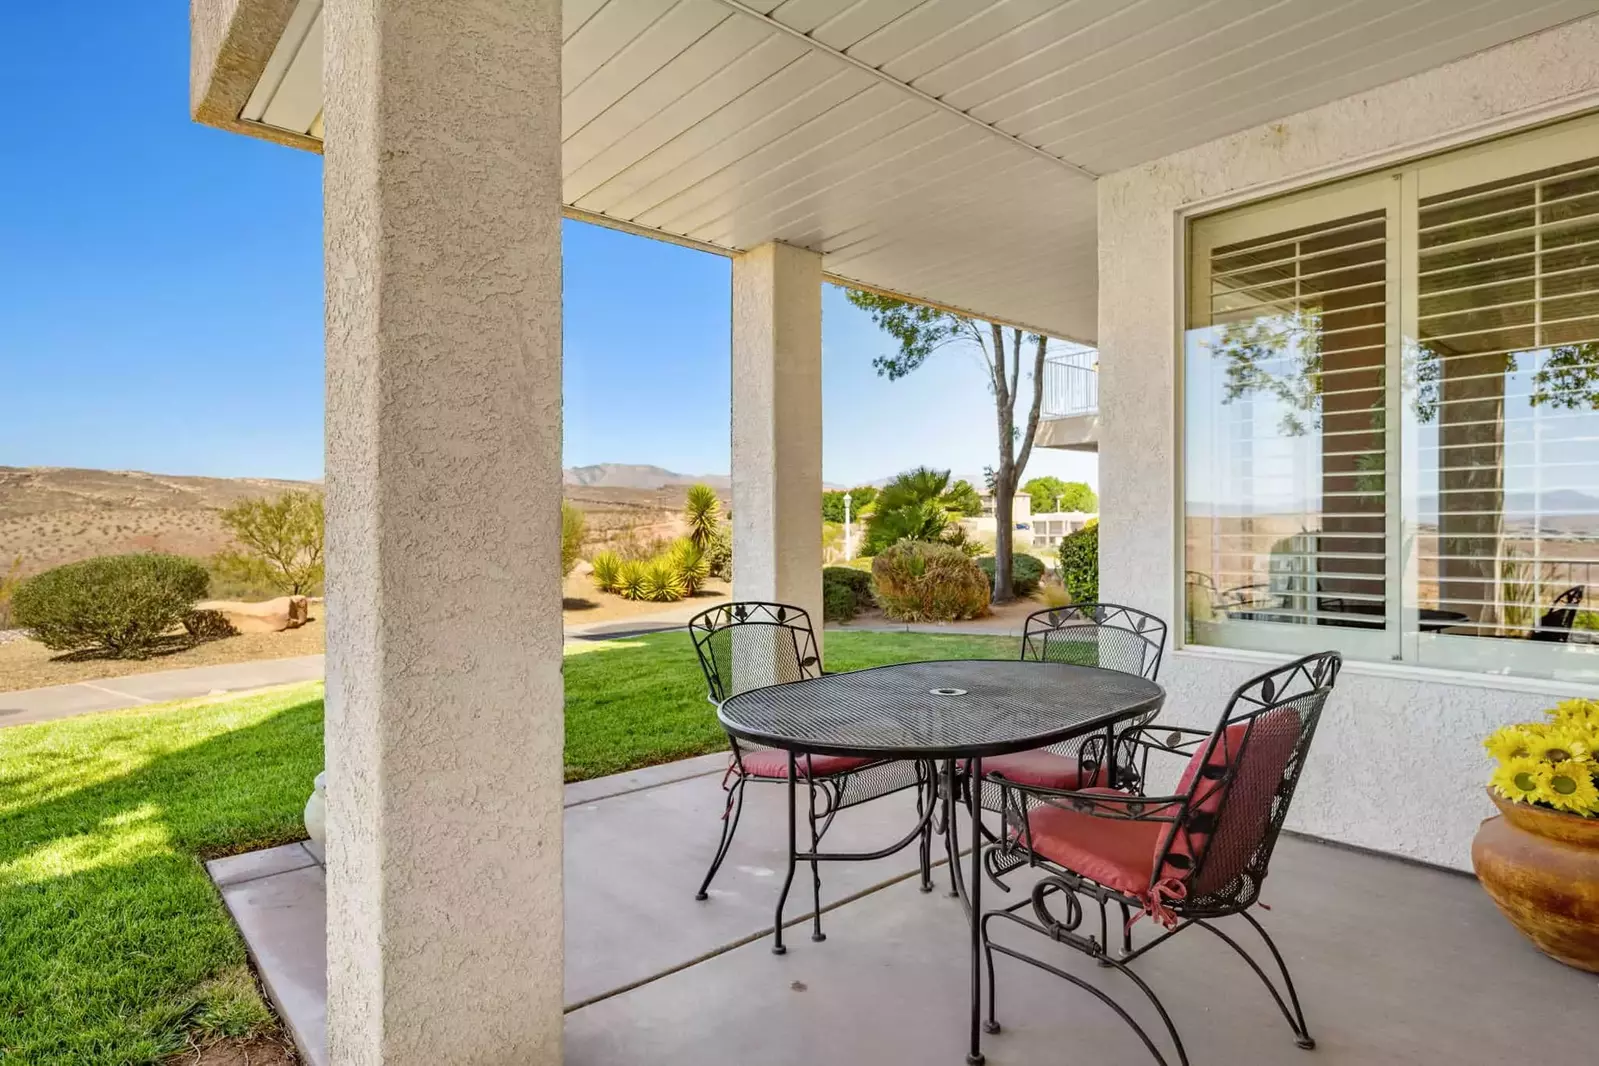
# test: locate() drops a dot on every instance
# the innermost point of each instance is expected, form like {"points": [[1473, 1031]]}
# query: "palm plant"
{"points": [[703, 510], [630, 579], [607, 565], [909, 508], [690, 564], [661, 583]]}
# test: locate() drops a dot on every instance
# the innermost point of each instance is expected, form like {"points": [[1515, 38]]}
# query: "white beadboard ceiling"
{"points": [[945, 149]]}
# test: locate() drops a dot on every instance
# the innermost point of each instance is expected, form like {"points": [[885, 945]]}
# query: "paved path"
{"points": [[136, 690]]}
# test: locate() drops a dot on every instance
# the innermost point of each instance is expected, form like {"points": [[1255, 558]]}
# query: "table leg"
{"points": [[951, 842], [974, 890], [793, 858]]}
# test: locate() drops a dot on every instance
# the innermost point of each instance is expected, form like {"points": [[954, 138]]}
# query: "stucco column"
{"points": [[777, 427], [444, 726]]}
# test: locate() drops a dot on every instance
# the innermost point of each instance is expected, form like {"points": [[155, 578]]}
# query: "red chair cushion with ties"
{"points": [[1232, 833], [772, 763], [1118, 853], [1041, 768]]}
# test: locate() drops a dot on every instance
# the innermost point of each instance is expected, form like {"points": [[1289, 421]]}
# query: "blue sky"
{"points": [[161, 297]]}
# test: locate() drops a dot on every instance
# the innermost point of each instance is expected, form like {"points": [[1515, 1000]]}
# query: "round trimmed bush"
{"points": [[1026, 571], [1079, 564], [846, 592], [122, 605], [918, 581]]}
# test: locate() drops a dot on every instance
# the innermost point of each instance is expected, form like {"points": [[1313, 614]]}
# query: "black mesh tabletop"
{"points": [[939, 709]]}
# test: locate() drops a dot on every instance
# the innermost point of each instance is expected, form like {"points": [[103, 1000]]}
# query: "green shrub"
{"points": [[607, 564], [573, 527], [914, 581], [122, 605], [845, 593], [1079, 564], [208, 625], [1026, 571], [688, 562], [662, 582], [630, 579], [719, 553]]}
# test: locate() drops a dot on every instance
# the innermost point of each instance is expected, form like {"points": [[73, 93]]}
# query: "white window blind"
{"points": [[1391, 414], [1506, 389]]}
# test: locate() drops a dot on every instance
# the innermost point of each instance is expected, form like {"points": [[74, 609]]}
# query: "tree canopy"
{"points": [[280, 541], [861, 497], [1052, 494]]}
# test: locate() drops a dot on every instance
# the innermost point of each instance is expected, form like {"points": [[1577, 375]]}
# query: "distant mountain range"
{"points": [[637, 476]]}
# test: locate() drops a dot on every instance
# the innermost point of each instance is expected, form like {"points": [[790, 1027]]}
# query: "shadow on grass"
{"points": [[115, 943]]}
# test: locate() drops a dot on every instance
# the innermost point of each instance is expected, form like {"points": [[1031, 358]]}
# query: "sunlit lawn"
{"points": [[114, 946]]}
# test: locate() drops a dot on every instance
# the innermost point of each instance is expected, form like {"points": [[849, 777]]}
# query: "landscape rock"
{"points": [[268, 616]]}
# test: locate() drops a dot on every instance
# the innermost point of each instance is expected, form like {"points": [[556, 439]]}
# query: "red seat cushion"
{"points": [[1040, 768], [1118, 853], [774, 763]]}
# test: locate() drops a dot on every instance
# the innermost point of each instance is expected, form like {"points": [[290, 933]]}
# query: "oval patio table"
{"points": [[927, 711]]}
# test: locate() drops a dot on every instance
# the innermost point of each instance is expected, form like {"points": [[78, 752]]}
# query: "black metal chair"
{"points": [[1556, 624], [1104, 635], [751, 644], [1184, 859]]}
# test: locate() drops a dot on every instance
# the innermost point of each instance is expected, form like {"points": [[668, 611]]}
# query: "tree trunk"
{"points": [[1004, 530]]}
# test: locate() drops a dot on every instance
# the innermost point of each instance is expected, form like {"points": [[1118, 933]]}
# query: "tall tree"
{"points": [[920, 331]]}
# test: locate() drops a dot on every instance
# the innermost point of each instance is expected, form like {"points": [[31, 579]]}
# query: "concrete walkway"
{"points": [[136, 690]]}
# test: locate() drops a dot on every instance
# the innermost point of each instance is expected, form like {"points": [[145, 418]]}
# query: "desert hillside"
{"points": [[54, 515]]}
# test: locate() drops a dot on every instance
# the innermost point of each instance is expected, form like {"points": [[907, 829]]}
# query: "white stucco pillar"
{"points": [[777, 427], [444, 727]]}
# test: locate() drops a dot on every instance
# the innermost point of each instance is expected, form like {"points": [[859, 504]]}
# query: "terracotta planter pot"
{"points": [[1542, 869]]}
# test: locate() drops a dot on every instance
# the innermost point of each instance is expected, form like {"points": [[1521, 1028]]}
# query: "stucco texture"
{"points": [[230, 42], [444, 727], [1397, 766], [777, 427]]}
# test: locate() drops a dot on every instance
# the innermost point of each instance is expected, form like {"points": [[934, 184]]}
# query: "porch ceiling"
{"points": [[943, 149]]}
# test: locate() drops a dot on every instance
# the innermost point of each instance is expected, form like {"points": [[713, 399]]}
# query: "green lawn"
{"points": [[115, 948]]}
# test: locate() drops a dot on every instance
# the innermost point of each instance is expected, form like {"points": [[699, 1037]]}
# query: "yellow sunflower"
{"points": [[1569, 787], [1511, 742], [1579, 712], [1519, 778], [1560, 745]]}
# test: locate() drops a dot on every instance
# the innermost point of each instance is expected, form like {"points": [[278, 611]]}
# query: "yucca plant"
{"points": [[607, 567], [703, 511], [661, 582], [690, 563], [630, 579]]}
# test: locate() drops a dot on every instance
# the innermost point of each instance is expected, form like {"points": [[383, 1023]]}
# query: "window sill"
{"points": [[1435, 675]]}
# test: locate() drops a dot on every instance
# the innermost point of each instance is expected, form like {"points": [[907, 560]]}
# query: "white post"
{"points": [[444, 700], [848, 539], [777, 427]]}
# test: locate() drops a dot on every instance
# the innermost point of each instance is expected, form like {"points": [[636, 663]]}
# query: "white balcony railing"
{"points": [[1071, 384]]}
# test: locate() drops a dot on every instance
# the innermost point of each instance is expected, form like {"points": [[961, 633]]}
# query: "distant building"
{"points": [[1050, 527]]}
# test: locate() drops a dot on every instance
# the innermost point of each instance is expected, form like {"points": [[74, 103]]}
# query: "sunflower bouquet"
{"points": [[1553, 763]]}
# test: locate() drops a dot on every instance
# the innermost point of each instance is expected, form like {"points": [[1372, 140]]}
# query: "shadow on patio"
{"points": [[1396, 963]]}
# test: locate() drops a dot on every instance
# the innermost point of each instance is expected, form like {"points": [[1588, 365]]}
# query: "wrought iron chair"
{"points": [[1107, 635], [1184, 859], [1555, 625], [751, 644]]}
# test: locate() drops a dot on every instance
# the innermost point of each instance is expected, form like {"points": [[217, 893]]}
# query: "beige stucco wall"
{"points": [[777, 427], [1397, 765], [445, 705]]}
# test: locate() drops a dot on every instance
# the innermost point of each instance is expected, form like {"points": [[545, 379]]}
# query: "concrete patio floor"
{"points": [[1395, 963]]}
